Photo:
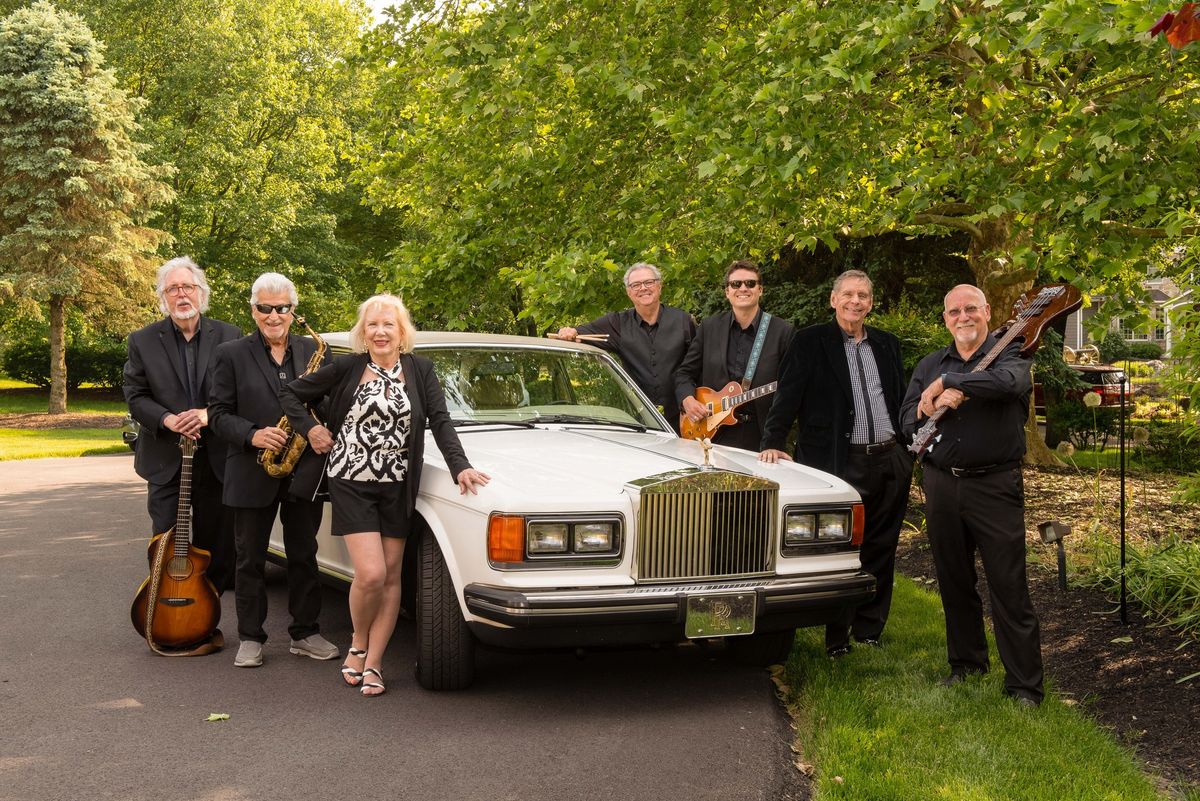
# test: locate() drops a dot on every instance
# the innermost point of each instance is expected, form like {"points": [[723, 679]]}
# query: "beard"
{"points": [[187, 314]]}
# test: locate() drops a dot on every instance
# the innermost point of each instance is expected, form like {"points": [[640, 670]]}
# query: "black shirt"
{"points": [[285, 372], [188, 348], [989, 427], [741, 343], [649, 353]]}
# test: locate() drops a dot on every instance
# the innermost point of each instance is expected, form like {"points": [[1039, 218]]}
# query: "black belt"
{"points": [[878, 447], [973, 472]]}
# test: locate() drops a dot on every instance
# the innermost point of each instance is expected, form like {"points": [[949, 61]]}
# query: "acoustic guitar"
{"points": [[721, 405], [177, 606], [1033, 311]]}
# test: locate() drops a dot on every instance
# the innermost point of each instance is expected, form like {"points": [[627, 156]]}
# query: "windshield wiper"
{"points": [[517, 423], [579, 418]]}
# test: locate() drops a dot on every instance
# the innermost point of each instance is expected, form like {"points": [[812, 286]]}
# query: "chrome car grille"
{"points": [[700, 524]]}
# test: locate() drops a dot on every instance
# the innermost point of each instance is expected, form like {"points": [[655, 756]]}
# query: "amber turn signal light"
{"points": [[506, 538], [860, 521]]}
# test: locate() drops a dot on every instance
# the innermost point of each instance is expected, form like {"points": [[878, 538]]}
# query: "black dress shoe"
{"points": [[872, 642], [834, 651], [1025, 702], [958, 676]]}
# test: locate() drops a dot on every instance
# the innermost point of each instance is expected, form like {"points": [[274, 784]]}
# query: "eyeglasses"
{"points": [[750, 283], [267, 308], [969, 311], [636, 285], [181, 289]]}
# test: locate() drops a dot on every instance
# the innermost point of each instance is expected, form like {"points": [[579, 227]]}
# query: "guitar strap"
{"points": [[756, 351], [216, 640]]}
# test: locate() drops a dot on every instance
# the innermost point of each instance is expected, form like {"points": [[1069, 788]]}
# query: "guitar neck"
{"points": [[751, 394], [183, 515]]}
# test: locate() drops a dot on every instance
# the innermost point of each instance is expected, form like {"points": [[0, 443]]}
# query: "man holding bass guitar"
{"points": [[844, 380], [745, 345], [974, 495]]}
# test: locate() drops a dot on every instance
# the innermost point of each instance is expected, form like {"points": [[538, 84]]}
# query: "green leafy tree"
{"points": [[255, 104], [74, 190]]}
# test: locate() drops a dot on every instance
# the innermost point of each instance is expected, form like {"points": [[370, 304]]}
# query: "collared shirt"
{"points": [[989, 427], [872, 424], [741, 343], [285, 372], [188, 350], [649, 352]]}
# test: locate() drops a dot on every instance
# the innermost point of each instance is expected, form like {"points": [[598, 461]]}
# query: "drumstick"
{"points": [[583, 337]]}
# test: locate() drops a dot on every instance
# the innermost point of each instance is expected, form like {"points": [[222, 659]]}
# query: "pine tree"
{"points": [[74, 192]]}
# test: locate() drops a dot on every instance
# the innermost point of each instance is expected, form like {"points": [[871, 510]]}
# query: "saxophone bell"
{"points": [[280, 463]]}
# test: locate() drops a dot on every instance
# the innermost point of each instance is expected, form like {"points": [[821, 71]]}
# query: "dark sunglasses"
{"points": [[267, 308], [737, 283]]}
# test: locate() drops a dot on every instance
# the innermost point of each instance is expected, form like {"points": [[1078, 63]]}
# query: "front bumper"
{"points": [[652, 613]]}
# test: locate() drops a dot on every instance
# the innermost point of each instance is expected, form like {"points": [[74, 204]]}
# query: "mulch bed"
{"points": [[41, 421], [1125, 676]]}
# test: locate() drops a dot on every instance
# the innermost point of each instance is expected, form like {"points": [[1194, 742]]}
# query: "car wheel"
{"points": [[445, 647], [760, 650]]}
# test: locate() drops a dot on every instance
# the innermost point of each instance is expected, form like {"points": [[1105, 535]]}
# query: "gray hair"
{"points": [[851, 274], [197, 277], [273, 284], [642, 265]]}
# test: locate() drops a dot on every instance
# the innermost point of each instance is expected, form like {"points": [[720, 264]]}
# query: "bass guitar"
{"points": [[177, 606], [721, 405], [1032, 312]]}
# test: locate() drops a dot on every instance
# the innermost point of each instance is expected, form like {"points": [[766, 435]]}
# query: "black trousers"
{"points": [[212, 521], [985, 513], [252, 533], [883, 480], [745, 434]]}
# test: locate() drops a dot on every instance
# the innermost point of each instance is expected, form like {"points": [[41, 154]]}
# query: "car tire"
{"points": [[760, 650], [445, 646]]}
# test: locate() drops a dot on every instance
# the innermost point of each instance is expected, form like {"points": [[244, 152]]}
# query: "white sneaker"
{"points": [[249, 654], [315, 646]]}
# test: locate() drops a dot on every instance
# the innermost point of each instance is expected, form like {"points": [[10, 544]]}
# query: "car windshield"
{"points": [[532, 385]]}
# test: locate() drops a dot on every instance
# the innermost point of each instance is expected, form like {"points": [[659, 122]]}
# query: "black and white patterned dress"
{"points": [[372, 444]]}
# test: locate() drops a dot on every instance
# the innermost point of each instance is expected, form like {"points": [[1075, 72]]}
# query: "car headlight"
{"points": [[516, 541], [593, 537], [809, 530], [546, 538], [799, 527]]}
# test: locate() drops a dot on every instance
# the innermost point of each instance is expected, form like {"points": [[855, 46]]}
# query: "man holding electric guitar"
{"points": [[974, 496], [741, 351], [844, 380]]}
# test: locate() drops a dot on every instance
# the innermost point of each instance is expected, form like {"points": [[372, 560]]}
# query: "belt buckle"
{"points": [[959, 472]]}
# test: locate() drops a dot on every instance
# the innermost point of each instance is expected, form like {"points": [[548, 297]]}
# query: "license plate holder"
{"points": [[720, 614]]}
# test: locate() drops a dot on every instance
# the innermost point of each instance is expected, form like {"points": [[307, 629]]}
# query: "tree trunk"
{"points": [[1003, 284], [58, 355]]}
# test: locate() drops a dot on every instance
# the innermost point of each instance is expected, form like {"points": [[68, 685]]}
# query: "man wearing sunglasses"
{"points": [[743, 344], [166, 385], [244, 410], [650, 338]]}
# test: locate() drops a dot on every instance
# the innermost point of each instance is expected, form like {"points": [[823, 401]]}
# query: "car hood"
{"points": [[591, 462]]}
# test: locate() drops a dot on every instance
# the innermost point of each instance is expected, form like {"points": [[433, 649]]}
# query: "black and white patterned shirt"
{"points": [[372, 444]]}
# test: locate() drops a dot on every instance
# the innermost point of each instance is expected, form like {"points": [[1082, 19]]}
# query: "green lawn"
{"points": [[877, 726], [36, 444]]}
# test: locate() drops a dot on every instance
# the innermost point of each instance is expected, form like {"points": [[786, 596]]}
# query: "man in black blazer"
{"points": [[166, 387], [721, 352], [245, 412], [845, 381]]}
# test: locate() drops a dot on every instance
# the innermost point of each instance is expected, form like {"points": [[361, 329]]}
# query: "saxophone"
{"points": [[280, 463]]}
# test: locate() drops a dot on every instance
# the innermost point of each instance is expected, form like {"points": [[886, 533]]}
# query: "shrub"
{"points": [[918, 333], [94, 360], [1113, 348], [1143, 350], [1085, 427]]}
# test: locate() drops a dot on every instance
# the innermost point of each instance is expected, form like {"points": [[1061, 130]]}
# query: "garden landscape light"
{"points": [[1053, 531]]}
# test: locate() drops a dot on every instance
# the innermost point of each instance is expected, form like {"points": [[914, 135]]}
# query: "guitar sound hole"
{"points": [[179, 568]]}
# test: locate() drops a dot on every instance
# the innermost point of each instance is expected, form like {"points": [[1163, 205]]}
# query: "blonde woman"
{"points": [[380, 399]]}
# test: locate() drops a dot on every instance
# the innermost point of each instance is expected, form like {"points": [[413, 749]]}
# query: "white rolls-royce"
{"points": [[600, 526]]}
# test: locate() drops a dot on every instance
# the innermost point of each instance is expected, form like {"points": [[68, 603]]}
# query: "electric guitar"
{"points": [[720, 405], [1033, 311], [177, 605]]}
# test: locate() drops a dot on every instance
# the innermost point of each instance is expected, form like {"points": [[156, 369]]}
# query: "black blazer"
{"points": [[338, 381], [814, 385], [155, 387], [244, 397], [704, 364]]}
